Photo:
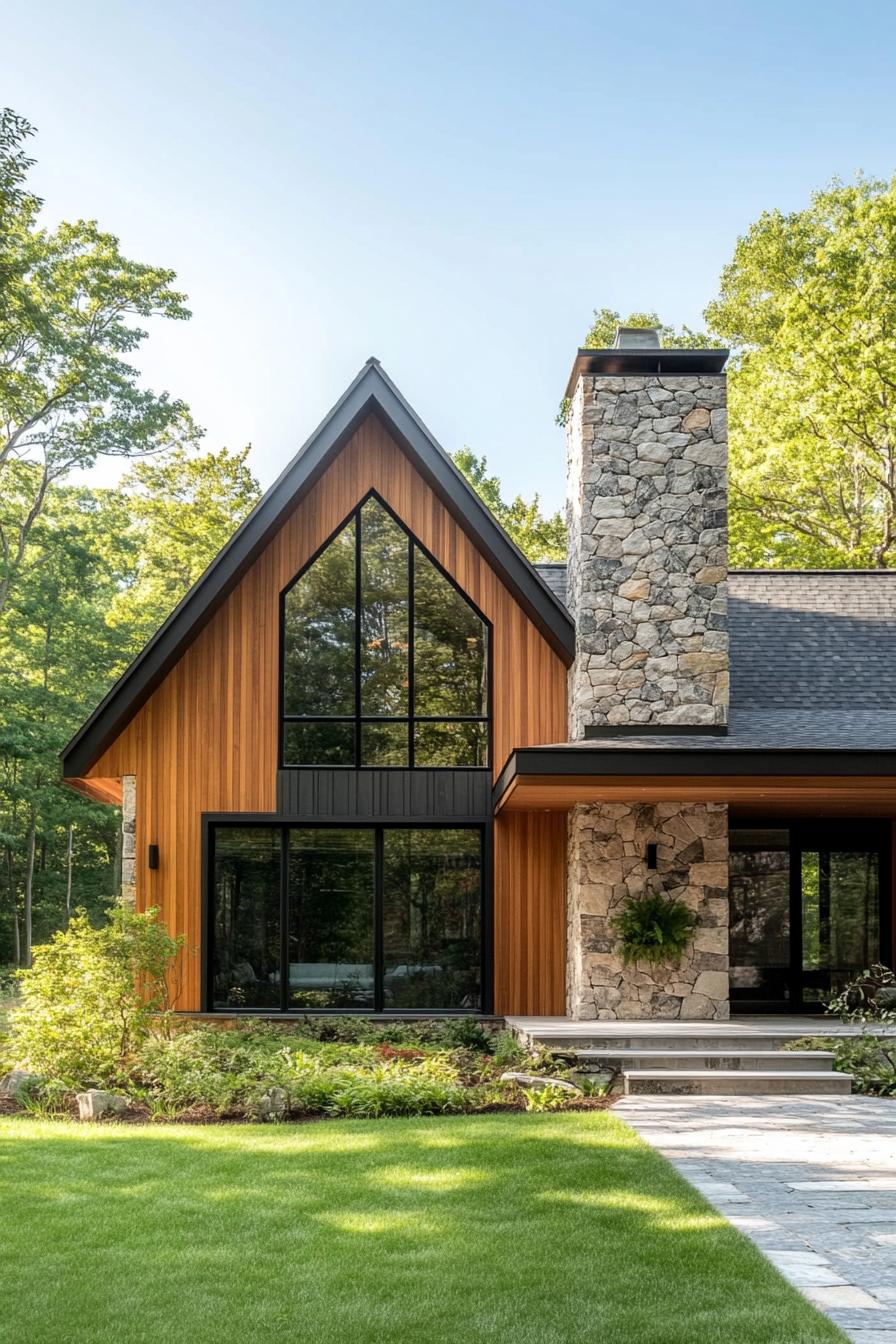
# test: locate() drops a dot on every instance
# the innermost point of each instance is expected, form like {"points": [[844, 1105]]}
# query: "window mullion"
{"points": [[379, 995], [358, 638], [411, 707]]}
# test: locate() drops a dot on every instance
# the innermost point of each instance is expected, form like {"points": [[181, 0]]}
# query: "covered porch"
{"points": [[784, 852]]}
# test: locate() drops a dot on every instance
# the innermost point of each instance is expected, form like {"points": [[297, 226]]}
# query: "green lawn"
{"points": [[524, 1229]]}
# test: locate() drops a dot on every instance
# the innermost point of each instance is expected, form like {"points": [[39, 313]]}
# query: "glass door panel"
{"points": [[840, 892], [331, 919], [759, 917], [432, 901], [246, 927]]}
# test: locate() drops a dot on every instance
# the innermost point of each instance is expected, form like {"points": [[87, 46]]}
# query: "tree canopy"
{"points": [[71, 305], [538, 536], [807, 302]]}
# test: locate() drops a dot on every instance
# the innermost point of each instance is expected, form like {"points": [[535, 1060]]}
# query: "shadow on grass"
{"points": [[535, 1229]]}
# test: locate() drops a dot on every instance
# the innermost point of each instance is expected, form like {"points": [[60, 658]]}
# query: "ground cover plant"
{"points": [[870, 1059], [540, 1229]]}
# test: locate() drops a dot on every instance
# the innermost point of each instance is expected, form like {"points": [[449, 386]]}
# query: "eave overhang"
{"points": [[557, 778], [371, 393]]}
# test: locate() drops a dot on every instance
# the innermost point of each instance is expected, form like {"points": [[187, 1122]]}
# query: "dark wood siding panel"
{"points": [[530, 913], [385, 795], [206, 740]]}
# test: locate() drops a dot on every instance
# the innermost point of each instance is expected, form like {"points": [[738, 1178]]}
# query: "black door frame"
{"points": [[240, 820], [812, 836]]}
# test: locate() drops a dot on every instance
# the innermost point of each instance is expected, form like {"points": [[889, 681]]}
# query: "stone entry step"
{"points": [[730, 1043], [737, 1082], [643, 1057]]}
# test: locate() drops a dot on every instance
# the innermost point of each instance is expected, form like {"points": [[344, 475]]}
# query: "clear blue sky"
{"points": [[450, 187]]}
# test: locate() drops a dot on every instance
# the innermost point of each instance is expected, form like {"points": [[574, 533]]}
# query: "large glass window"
{"points": [[363, 918], [385, 662]]}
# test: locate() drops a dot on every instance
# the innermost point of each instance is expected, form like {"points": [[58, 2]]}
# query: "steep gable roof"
{"points": [[371, 392]]}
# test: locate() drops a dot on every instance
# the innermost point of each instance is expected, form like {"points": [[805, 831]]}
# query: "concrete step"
{"points": [[643, 1057], [733, 1082], [725, 1043]]}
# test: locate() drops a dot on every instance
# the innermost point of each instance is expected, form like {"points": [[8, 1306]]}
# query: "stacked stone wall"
{"points": [[607, 864]]}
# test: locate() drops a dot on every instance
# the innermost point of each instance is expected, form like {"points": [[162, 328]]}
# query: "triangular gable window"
{"points": [[385, 661]]}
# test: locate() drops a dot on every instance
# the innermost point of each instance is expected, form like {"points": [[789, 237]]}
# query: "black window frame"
{"points": [[266, 820], [806, 835], [358, 720]]}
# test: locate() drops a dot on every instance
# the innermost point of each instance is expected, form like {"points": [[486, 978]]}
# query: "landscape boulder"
{"points": [[12, 1083], [95, 1103], [274, 1104]]}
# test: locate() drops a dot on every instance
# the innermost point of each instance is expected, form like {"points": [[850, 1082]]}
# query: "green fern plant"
{"points": [[655, 928]]}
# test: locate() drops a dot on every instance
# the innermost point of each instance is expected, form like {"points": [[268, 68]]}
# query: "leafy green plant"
{"points": [[547, 1098], [89, 998], [46, 1098], [655, 928], [868, 997], [507, 1049], [870, 1059]]}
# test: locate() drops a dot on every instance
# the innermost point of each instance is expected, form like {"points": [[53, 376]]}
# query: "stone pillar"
{"points": [[647, 515], [128, 895], [607, 864]]}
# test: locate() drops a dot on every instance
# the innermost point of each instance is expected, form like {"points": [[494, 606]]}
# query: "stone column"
{"points": [[608, 864], [647, 515], [128, 894]]}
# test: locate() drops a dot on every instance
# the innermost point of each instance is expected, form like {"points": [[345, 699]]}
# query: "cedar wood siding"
{"points": [[206, 740]]}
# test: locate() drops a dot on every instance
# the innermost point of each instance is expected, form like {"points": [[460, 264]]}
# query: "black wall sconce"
{"points": [[153, 856], [651, 856]]}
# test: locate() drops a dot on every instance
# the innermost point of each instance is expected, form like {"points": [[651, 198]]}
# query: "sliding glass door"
{"points": [[358, 919], [809, 909]]}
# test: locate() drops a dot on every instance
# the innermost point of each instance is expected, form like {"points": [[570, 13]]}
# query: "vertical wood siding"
{"points": [[206, 740]]}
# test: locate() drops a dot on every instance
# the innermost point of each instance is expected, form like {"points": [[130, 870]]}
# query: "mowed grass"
{"points": [[525, 1229]]}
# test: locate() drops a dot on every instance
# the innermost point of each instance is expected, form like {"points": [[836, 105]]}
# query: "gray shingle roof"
{"points": [[813, 663], [813, 640]]}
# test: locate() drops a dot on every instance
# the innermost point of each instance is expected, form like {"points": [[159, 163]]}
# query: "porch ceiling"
{"points": [[797, 794]]}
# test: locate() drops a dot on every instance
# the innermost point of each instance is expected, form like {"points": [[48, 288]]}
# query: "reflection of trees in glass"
{"points": [[247, 918], [331, 877], [840, 892], [384, 613], [449, 647], [319, 633], [334, 615], [431, 918]]}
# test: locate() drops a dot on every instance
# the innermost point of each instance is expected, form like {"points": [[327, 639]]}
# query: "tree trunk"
{"points": [[29, 884], [68, 876]]}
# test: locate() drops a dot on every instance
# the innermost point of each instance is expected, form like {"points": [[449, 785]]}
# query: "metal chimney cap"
{"points": [[637, 338]]}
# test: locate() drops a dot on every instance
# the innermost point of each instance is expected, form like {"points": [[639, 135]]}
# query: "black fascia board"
{"points": [[658, 360], [813, 762], [370, 392]]}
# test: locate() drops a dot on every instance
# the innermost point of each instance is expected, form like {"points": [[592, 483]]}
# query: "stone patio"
{"points": [[810, 1180]]}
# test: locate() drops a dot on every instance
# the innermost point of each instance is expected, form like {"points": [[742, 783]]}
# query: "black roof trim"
{"points": [[625, 362], [597, 730], [371, 392], [577, 760]]}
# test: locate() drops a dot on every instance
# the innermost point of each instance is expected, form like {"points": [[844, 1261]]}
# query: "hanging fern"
{"points": [[654, 928]]}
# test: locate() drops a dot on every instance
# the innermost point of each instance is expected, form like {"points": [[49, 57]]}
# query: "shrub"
{"points": [[870, 1059], [654, 928], [869, 997], [90, 996]]}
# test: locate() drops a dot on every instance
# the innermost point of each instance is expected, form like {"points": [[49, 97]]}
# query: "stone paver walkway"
{"points": [[811, 1180]]}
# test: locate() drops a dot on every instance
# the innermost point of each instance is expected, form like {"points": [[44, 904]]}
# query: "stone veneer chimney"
{"points": [[647, 515]]}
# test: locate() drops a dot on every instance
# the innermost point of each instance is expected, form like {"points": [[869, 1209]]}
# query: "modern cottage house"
{"points": [[376, 761]]}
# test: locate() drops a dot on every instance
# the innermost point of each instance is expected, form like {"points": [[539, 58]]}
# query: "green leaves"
{"points": [[807, 302], [538, 537], [655, 928]]}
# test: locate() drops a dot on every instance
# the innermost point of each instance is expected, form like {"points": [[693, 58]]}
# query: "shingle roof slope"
{"points": [[813, 640]]}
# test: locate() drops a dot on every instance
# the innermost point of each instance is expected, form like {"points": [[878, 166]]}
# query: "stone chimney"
{"points": [[647, 515]]}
